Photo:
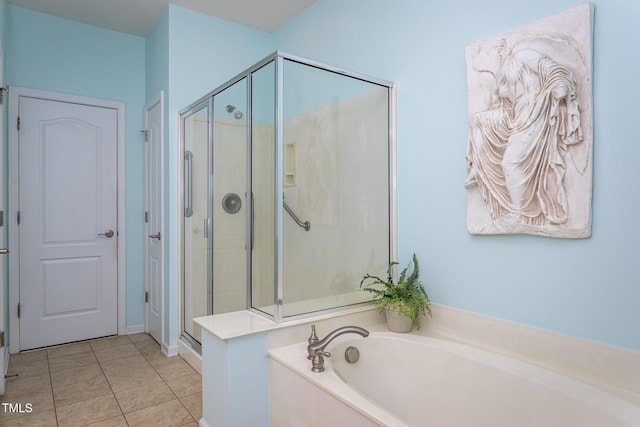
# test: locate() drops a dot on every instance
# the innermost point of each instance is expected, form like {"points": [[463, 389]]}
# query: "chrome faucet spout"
{"points": [[315, 350]]}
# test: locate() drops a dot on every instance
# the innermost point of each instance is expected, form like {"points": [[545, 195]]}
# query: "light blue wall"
{"points": [[589, 288], [52, 54], [204, 52], [4, 279]]}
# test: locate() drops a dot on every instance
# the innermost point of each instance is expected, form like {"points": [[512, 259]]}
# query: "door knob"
{"points": [[109, 234], [4, 251], [155, 236]]}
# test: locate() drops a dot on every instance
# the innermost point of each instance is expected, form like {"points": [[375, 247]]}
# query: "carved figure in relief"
{"points": [[516, 148]]}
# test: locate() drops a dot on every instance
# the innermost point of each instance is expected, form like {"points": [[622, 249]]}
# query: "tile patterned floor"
{"points": [[109, 382]]}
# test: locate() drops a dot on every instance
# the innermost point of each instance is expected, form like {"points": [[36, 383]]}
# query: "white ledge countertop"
{"points": [[235, 324], [245, 322]]}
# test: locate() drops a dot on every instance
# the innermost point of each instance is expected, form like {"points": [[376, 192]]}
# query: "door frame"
{"points": [[156, 100], [15, 93], [4, 350]]}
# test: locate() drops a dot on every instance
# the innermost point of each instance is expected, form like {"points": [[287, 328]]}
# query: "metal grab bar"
{"points": [[188, 177], [306, 225]]}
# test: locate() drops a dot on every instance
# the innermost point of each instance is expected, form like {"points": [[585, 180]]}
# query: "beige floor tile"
{"points": [[118, 352], [88, 411], [28, 364], [185, 385], [147, 346], [142, 337], [155, 356], [193, 403], [118, 421], [29, 355], [91, 383], [113, 366], [168, 414], [65, 377], [44, 418], [144, 396], [69, 361], [19, 386], [172, 367], [38, 401], [64, 350], [123, 380], [34, 390], [80, 391], [110, 342]]}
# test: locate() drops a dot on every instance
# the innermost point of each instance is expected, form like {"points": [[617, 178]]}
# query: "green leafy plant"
{"points": [[407, 296]]}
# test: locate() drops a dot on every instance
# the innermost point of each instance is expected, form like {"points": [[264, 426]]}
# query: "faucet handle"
{"points": [[317, 362], [313, 338]]}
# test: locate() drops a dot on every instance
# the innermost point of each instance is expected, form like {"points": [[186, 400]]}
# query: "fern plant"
{"points": [[407, 296]]}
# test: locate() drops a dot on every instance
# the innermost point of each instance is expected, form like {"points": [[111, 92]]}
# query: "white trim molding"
{"points": [[170, 350], [135, 329]]}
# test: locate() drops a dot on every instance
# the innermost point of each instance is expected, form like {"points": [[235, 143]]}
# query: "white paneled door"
{"points": [[68, 228], [153, 216]]}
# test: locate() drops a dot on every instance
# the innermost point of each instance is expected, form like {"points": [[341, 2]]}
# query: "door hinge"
{"points": [[1, 338], [18, 217], [18, 123], [18, 310], [146, 216], [146, 296]]}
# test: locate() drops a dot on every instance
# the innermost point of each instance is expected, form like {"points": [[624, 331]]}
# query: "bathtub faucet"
{"points": [[316, 347]]}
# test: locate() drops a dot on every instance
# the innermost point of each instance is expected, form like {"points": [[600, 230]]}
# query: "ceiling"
{"points": [[137, 17]]}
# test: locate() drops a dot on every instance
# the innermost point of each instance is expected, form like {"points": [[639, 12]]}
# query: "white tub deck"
{"points": [[412, 380]]}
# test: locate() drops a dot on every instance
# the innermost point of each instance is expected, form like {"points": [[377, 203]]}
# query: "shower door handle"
{"points": [[188, 183], [205, 227], [250, 225]]}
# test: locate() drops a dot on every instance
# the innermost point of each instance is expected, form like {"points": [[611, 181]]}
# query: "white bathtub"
{"points": [[410, 380]]}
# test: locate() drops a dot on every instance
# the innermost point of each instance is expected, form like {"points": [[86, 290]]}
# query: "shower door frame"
{"points": [[201, 103], [278, 58]]}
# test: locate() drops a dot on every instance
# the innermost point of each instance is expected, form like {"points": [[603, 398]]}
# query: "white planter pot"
{"points": [[397, 322]]}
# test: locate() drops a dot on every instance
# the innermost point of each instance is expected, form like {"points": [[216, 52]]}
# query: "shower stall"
{"points": [[288, 187]]}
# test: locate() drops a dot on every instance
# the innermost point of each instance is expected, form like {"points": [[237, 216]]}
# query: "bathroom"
{"points": [[584, 288]]}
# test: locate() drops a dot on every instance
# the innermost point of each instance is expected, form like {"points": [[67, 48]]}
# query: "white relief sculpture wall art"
{"points": [[529, 155]]}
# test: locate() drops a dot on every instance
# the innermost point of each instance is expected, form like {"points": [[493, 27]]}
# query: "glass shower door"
{"points": [[229, 204], [215, 207], [197, 224]]}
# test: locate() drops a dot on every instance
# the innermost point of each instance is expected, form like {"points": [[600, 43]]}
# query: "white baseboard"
{"points": [[170, 351], [192, 357], [202, 423], [135, 329]]}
